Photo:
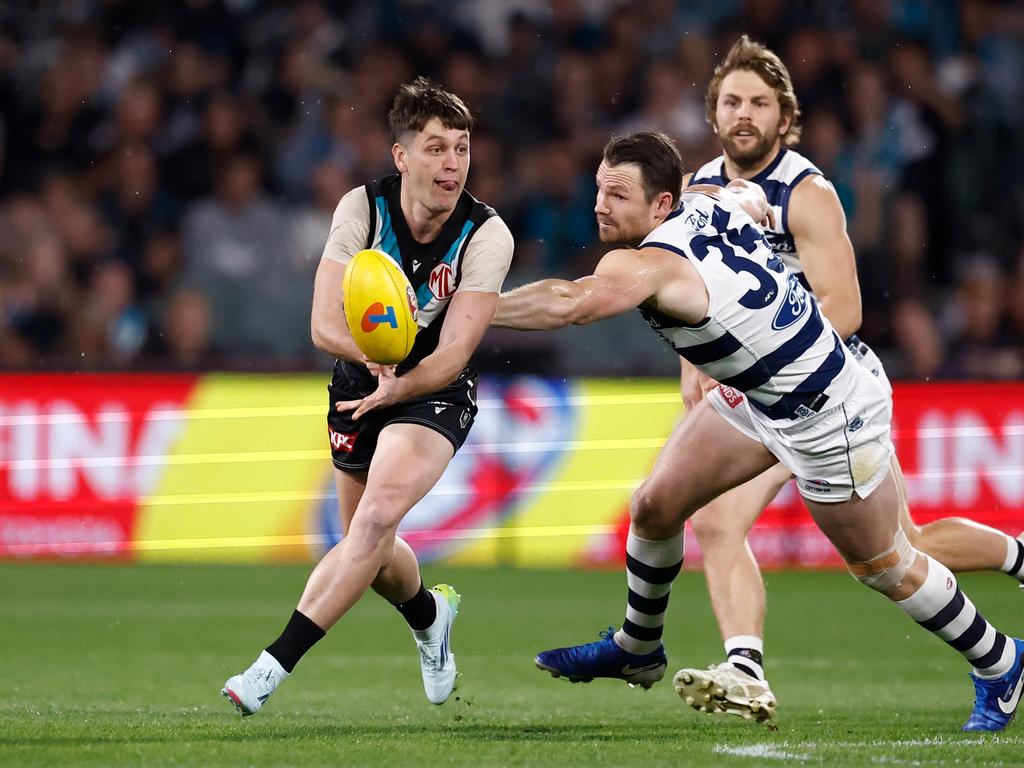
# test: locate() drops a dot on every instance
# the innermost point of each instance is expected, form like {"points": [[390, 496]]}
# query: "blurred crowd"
{"points": [[168, 169]]}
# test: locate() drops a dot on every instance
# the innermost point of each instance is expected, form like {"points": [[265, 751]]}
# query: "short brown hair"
{"points": [[416, 103], [661, 165], [766, 64]]}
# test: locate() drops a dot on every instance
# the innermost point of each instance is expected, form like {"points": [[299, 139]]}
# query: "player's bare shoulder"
{"points": [[630, 261], [813, 203], [653, 266]]}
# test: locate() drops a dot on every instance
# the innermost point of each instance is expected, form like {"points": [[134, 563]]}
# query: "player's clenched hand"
{"points": [[694, 386], [707, 383], [752, 199], [391, 389]]}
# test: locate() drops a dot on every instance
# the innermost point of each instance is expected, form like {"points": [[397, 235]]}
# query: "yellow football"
{"points": [[380, 307]]}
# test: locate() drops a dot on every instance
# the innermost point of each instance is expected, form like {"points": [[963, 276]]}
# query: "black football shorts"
{"points": [[449, 411]]}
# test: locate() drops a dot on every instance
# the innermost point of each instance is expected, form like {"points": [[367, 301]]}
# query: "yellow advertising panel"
{"points": [[232, 468], [241, 479]]}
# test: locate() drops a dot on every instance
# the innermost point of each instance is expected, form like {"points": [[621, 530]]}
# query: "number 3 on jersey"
{"points": [[746, 238]]}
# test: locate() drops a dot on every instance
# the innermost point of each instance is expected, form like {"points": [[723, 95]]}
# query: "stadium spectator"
{"points": [[237, 250], [115, 120], [983, 343], [187, 340]]}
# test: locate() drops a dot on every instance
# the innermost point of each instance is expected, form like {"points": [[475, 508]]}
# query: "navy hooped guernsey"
{"points": [[434, 269], [778, 180], [764, 334]]}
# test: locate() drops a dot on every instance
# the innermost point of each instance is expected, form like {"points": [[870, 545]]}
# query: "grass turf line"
{"points": [[123, 665]]}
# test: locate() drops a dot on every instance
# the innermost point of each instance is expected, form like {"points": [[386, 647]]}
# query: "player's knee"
{"points": [[653, 513], [886, 570], [713, 530], [374, 528]]}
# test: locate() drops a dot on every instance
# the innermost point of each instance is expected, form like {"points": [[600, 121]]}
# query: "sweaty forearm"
{"points": [[544, 305]]}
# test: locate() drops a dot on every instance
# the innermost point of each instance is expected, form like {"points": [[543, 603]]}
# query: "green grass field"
{"points": [[123, 666]]}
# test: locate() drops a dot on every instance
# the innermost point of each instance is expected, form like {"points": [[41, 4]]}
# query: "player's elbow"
{"points": [[845, 316], [572, 306], [850, 322], [856, 317], [319, 333], [560, 308], [564, 312]]}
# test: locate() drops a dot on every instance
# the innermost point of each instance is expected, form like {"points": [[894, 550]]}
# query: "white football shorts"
{"points": [[840, 451], [866, 356]]}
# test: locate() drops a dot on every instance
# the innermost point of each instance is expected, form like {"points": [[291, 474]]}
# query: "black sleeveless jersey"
{"points": [[434, 269]]}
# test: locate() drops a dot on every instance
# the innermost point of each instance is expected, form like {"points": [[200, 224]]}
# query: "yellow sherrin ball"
{"points": [[380, 307]]}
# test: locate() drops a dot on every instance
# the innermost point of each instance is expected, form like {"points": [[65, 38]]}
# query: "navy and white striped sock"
{"points": [[746, 653], [1014, 563], [941, 607], [651, 567]]}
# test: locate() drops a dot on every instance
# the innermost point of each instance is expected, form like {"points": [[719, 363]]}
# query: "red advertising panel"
{"points": [[961, 447], [77, 452]]}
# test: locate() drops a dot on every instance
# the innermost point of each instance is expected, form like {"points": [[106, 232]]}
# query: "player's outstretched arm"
{"points": [[327, 321], [623, 280], [818, 224]]}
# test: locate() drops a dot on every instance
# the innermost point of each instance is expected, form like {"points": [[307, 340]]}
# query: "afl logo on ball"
{"points": [[441, 281]]}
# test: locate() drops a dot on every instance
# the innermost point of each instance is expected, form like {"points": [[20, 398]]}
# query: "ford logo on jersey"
{"points": [[793, 306]]}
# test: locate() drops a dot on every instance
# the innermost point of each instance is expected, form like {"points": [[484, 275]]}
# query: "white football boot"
{"points": [[251, 689], [437, 662], [724, 689]]}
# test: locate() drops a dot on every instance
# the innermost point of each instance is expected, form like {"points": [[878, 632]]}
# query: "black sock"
{"points": [[748, 660], [300, 634], [420, 610]]}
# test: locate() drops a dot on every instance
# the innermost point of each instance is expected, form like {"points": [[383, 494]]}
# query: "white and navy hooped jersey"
{"points": [[764, 334], [787, 170]]}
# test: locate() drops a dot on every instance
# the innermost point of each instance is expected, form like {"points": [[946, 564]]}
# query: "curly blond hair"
{"points": [[765, 63]]}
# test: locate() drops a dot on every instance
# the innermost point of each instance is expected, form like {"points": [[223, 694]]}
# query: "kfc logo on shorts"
{"points": [[342, 441], [441, 281], [732, 396]]}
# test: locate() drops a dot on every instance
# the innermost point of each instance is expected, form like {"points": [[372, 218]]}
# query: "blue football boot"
{"points": [[995, 701], [582, 663]]}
